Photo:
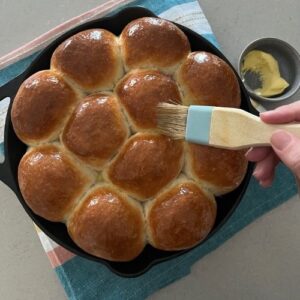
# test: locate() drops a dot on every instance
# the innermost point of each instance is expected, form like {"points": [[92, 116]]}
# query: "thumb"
{"points": [[287, 148]]}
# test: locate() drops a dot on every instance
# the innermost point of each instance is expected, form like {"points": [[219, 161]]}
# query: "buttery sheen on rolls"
{"points": [[42, 105], [108, 224], [51, 182], [205, 79], [89, 59], [220, 170], [97, 161], [96, 129], [140, 91], [153, 43], [146, 164], [181, 216]]}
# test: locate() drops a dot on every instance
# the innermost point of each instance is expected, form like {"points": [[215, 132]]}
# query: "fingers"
{"points": [[266, 183], [283, 114], [266, 161], [258, 154], [287, 147], [265, 169]]}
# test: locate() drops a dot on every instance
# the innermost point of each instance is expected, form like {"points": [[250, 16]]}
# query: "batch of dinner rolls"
{"points": [[96, 160]]}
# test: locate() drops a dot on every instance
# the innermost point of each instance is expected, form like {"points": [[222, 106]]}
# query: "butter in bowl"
{"points": [[270, 70]]}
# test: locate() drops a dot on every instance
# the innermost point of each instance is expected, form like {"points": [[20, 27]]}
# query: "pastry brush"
{"points": [[221, 127]]}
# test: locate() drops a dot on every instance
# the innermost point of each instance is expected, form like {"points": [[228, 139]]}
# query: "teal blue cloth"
{"points": [[86, 280], [15, 69]]}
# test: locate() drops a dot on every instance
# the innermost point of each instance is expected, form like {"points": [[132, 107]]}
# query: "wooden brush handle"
{"points": [[233, 128]]}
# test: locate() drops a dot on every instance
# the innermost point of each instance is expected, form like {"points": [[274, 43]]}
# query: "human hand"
{"points": [[284, 146]]}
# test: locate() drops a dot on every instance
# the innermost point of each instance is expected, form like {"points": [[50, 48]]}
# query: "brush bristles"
{"points": [[171, 120]]}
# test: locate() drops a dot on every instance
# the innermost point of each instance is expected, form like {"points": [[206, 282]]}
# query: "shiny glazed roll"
{"points": [[152, 42], [140, 91], [51, 182], [205, 79], [108, 224], [220, 170], [96, 129], [99, 164], [180, 217], [90, 59], [146, 164], [41, 107]]}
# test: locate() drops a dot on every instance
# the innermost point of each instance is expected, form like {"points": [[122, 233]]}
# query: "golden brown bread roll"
{"points": [[145, 164], [56, 180], [140, 91], [205, 79], [51, 182], [41, 107], [220, 170], [151, 42], [180, 217], [108, 224], [90, 59], [95, 130]]}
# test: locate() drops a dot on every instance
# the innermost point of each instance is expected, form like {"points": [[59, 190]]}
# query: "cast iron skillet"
{"points": [[14, 149]]}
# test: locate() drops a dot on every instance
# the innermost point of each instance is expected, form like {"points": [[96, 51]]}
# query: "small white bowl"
{"points": [[289, 65]]}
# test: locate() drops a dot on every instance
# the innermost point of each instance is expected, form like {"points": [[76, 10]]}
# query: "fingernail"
{"points": [[281, 139], [264, 113], [255, 173], [265, 183], [248, 151]]}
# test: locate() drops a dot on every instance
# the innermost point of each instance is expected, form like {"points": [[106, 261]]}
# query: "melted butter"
{"points": [[265, 65]]}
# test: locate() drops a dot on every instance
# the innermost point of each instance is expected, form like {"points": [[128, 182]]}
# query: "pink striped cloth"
{"points": [[43, 40], [57, 255]]}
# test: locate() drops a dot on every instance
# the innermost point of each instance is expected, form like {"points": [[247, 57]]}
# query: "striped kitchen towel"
{"points": [[83, 279]]}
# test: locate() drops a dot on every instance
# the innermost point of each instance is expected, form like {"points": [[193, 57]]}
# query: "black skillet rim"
{"points": [[128, 14]]}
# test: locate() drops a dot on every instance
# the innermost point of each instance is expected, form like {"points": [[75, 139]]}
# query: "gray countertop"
{"points": [[260, 262]]}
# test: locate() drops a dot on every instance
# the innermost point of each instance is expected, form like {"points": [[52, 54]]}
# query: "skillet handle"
{"points": [[6, 175], [8, 90]]}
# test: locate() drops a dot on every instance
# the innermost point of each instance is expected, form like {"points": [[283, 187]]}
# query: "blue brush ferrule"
{"points": [[198, 124]]}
